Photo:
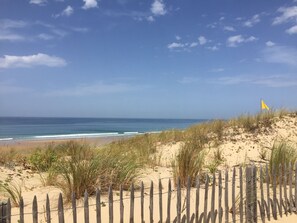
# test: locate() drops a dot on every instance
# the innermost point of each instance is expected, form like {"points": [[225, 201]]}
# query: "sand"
{"points": [[237, 149]]}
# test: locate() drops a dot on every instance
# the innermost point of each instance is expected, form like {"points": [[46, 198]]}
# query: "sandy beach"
{"points": [[238, 148]]}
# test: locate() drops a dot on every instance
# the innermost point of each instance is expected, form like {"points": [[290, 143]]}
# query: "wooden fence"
{"points": [[252, 195]]}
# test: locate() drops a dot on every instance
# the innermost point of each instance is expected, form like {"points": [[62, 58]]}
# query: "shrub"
{"points": [[43, 159]]}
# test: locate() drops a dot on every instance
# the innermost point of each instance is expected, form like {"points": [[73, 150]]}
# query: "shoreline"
{"points": [[34, 143]]}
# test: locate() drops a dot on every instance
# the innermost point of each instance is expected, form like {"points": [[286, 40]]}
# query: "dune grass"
{"points": [[282, 154], [12, 190]]}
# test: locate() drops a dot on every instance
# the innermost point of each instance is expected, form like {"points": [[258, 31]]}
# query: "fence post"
{"points": [[168, 201], [61, 209], [86, 207], [178, 202], [160, 201], [206, 200], [197, 200], [188, 199], [251, 200], [35, 210], [226, 198], [110, 204], [152, 203], [21, 210], [132, 204]]}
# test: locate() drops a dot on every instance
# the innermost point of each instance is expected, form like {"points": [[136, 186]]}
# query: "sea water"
{"points": [[34, 128]]}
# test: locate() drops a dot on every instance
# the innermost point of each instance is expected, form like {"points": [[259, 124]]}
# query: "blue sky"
{"points": [[147, 58]]}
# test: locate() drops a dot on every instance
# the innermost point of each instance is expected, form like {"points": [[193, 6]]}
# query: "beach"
{"points": [[238, 148]]}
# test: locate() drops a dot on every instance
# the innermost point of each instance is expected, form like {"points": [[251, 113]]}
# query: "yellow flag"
{"points": [[264, 106]]}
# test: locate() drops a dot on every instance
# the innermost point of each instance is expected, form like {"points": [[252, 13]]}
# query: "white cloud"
{"points": [[177, 37], [175, 45], [229, 28], [212, 48], [12, 24], [234, 41], [68, 11], [45, 36], [38, 2], [90, 4], [150, 18], [202, 40], [287, 14], [158, 8], [188, 80], [222, 18], [280, 54], [275, 81], [270, 43], [39, 59], [216, 70], [252, 21], [94, 89], [7, 36], [292, 30], [194, 44]]}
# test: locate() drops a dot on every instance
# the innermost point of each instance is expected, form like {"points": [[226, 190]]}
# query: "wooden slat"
{"points": [[255, 189], [22, 210], [262, 210], [188, 207], [178, 202], [98, 206], [268, 192], [290, 188], [8, 211], [220, 213], [48, 210], [233, 197], [197, 200], [206, 200], [121, 205], [226, 198], [132, 204], [274, 210], [74, 211], [61, 209], [160, 201], [86, 207], [169, 202], [35, 210], [240, 195], [212, 208], [142, 202], [280, 173], [296, 186], [152, 203], [110, 204], [285, 189]]}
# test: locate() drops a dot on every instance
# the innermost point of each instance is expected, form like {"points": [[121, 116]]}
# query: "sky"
{"points": [[147, 58]]}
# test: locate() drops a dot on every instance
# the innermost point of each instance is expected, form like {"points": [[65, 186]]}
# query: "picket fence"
{"points": [[245, 206]]}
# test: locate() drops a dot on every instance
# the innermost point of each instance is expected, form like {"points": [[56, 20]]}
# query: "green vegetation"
{"points": [[282, 154], [13, 191], [189, 161]]}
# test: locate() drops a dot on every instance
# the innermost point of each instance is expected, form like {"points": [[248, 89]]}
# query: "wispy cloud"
{"points": [[90, 4], [216, 70], [8, 36], [45, 36], [292, 30], [175, 45], [12, 24], [38, 2], [39, 59], [276, 81], [9, 87], [68, 11], [234, 41], [158, 8], [252, 21], [98, 88], [287, 14], [188, 80], [270, 43], [280, 54], [229, 28]]}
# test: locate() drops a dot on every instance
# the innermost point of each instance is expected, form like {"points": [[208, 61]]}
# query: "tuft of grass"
{"points": [[263, 154], [13, 191], [189, 161], [42, 159], [7, 156], [282, 154], [81, 168]]}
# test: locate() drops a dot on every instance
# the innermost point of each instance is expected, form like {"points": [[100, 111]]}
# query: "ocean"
{"points": [[35, 128]]}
